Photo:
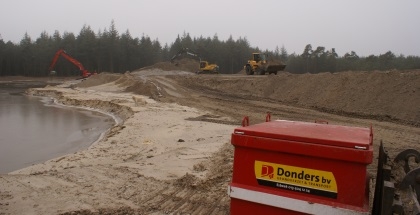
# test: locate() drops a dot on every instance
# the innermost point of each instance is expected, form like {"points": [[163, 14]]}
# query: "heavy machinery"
{"points": [[205, 66], [260, 65], [85, 73]]}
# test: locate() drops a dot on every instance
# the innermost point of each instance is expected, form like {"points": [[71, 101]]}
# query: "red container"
{"points": [[286, 167]]}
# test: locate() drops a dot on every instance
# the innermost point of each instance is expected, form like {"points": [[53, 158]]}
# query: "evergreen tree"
{"points": [[86, 48], [306, 55], [283, 54], [2, 57], [111, 52], [42, 47], [27, 55]]}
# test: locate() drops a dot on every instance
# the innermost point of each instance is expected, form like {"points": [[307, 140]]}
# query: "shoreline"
{"points": [[117, 120], [25, 84], [155, 145], [70, 146]]}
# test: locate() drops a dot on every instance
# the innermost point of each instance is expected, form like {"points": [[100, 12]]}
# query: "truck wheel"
{"points": [[249, 70]]}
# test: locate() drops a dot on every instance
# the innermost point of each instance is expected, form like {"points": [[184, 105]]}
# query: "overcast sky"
{"points": [[364, 26]]}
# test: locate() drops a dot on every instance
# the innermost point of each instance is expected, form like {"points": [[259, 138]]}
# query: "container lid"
{"points": [[326, 134]]}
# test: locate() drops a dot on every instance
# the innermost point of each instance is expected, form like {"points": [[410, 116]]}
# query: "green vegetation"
{"points": [[113, 52], [319, 60]]}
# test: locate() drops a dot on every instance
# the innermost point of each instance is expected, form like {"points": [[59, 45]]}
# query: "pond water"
{"points": [[34, 129]]}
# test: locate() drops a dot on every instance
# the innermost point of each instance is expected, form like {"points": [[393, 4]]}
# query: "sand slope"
{"points": [[171, 151]]}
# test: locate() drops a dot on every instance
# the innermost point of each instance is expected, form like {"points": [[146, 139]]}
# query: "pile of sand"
{"points": [[99, 79], [391, 95], [125, 82], [185, 64]]}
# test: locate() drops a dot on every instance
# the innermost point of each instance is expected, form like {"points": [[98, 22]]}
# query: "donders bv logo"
{"points": [[297, 179], [267, 171]]}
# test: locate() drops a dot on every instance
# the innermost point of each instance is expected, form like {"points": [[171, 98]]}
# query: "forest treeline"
{"points": [[109, 51]]}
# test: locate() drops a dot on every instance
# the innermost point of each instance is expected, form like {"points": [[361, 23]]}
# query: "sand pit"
{"points": [[172, 152]]}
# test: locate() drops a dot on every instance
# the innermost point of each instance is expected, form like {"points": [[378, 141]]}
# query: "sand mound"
{"points": [[241, 72], [391, 95], [99, 79], [123, 82], [386, 95], [184, 64]]}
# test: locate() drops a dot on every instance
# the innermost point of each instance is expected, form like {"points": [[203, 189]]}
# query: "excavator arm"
{"points": [[63, 53], [187, 52]]}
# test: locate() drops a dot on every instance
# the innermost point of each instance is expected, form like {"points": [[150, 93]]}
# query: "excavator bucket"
{"points": [[273, 68], [274, 65]]}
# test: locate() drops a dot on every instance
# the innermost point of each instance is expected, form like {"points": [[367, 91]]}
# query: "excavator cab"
{"points": [[203, 64]]}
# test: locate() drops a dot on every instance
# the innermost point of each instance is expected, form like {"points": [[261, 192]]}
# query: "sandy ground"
{"points": [[159, 141], [171, 152]]}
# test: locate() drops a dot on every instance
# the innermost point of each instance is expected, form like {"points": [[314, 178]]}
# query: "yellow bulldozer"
{"points": [[260, 65]]}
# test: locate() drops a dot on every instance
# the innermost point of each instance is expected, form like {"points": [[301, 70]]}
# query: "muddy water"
{"points": [[33, 130]]}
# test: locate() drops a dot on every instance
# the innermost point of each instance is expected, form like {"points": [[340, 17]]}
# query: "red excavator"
{"points": [[85, 73]]}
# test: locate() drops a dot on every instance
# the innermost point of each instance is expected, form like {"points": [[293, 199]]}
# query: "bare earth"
{"points": [[171, 151]]}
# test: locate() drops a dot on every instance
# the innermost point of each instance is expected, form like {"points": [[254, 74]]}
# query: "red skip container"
{"points": [[287, 167]]}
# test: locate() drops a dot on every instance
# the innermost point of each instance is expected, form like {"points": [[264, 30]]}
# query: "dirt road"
{"points": [[172, 153]]}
